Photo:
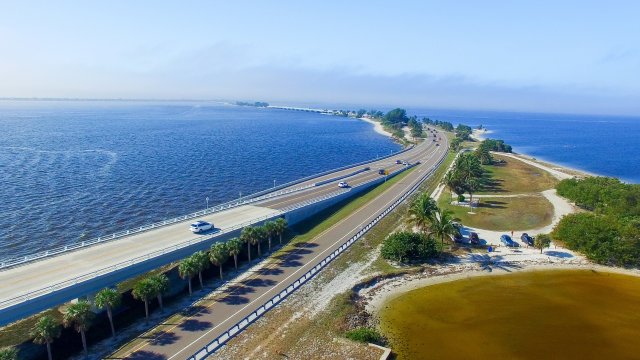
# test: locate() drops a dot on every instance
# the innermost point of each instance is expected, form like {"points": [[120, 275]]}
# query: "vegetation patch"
{"points": [[504, 213], [365, 335], [611, 233], [510, 176]]}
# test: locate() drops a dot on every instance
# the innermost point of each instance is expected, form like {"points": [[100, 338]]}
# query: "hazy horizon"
{"points": [[573, 57]]}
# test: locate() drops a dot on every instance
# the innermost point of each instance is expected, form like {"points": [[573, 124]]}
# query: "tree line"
{"points": [[80, 315], [435, 227], [609, 232]]}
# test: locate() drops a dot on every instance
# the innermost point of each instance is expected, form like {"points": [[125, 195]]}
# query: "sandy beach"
{"points": [[377, 127]]}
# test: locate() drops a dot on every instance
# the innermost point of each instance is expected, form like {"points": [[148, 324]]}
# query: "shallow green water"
{"points": [[532, 315]]}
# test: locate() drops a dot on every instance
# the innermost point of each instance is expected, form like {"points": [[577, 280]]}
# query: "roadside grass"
{"points": [[514, 177], [18, 332], [308, 229], [516, 213]]}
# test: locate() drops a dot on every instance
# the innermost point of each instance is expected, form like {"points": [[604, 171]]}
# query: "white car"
{"points": [[200, 226], [343, 184]]}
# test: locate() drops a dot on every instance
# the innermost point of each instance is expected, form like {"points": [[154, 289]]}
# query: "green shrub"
{"points": [[364, 335]]}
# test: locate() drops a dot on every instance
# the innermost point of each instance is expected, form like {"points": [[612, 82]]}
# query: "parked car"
{"points": [[343, 184], [474, 238], [200, 226], [398, 162], [405, 163], [506, 240], [527, 239], [437, 144], [381, 172]]}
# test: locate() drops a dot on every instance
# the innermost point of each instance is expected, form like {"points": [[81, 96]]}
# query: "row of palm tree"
{"points": [[466, 175], [79, 315], [424, 214], [220, 252]]}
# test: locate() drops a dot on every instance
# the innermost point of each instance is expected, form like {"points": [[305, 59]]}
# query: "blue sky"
{"points": [[550, 56]]}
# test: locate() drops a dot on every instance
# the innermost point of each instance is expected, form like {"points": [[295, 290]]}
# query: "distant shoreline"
{"points": [[481, 134]]}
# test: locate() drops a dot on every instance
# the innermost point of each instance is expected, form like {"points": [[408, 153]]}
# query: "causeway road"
{"points": [[36, 282], [181, 336]]}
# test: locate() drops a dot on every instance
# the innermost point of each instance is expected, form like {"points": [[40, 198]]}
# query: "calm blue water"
{"points": [[605, 145], [75, 170]]}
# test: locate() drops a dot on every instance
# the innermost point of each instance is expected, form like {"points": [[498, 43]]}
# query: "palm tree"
{"points": [[472, 185], [201, 262], [144, 290], [234, 246], [79, 315], [161, 284], [450, 181], [218, 255], [484, 155], [187, 269], [8, 353], [420, 211], [270, 229], [108, 298], [249, 236], [443, 225], [281, 226], [44, 331], [261, 235]]}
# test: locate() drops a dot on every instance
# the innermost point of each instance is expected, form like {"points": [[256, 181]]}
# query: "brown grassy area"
{"points": [[515, 213], [514, 177]]}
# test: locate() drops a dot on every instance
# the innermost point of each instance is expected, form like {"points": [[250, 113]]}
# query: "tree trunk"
{"points": [[200, 277], [269, 243], [280, 238], [190, 293], [249, 250], [49, 350], [259, 251], [146, 309], [221, 271], [235, 261], [84, 343], [160, 302], [110, 316]]}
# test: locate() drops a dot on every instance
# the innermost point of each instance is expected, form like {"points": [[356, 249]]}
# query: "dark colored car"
{"points": [[506, 240], [381, 172], [398, 162], [527, 239], [474, 238]]}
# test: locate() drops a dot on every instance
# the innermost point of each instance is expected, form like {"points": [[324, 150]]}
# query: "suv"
{"points": [[200, 226], [506, 240], [527, 239]]}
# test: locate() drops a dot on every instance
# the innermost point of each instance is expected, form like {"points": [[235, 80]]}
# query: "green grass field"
{"points": [[515, 177], [517, 213]]}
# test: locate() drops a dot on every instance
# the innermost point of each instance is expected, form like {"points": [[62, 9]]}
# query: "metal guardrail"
{"points": [[120, 265], [234, 330], [259, 196]]}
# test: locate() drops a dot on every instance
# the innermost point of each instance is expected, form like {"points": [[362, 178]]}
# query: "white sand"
{"points": [[377, 127]]}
